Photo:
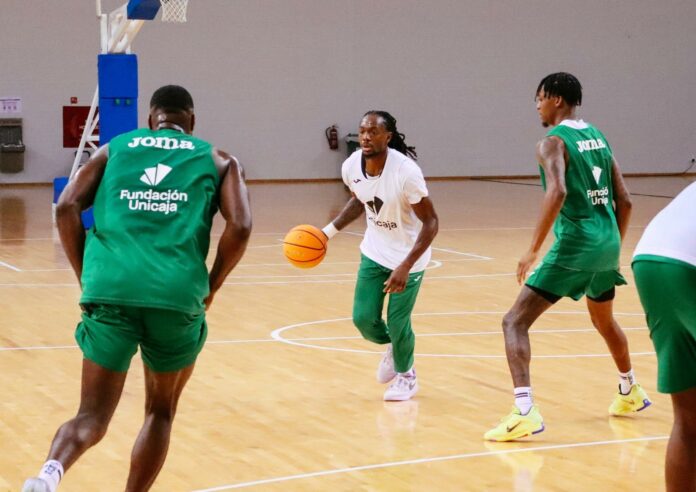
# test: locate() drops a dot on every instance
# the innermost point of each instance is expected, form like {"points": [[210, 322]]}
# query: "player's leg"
{"points": [[530, 304], [108, 340], [667, 294], [631, 397], [170, 346], [100, 393], [403, 339], [601, 311], [680, 461], [162, 396], [525, 418], [368, 301]]}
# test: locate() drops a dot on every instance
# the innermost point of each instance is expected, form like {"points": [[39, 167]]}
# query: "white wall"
{"points": [[268, 76]]}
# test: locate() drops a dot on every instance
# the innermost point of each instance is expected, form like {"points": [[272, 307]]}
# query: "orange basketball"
{"points": [[304, 246]]}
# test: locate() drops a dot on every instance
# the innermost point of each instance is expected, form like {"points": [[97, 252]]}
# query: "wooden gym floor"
{"points": [[284, 398]]}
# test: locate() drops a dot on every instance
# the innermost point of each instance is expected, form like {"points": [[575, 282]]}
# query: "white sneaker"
{"points": [[385, 370], [403, 388], [35, 485]]}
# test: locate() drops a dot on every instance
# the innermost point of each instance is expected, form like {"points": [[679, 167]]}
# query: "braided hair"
{"points": [[397, 141], [564, 85]]}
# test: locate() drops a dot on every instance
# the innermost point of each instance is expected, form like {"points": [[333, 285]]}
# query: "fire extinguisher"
{"points": [[332, 137]]}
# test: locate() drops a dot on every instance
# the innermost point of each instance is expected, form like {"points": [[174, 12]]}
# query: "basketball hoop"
{"points": [[174, 10]]}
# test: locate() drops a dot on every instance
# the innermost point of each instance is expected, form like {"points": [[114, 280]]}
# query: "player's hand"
{"points": [[397, 280], [208, 300], [523, 266]]}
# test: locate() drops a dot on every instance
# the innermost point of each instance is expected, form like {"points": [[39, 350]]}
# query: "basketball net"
{"points": [[174, 10]]}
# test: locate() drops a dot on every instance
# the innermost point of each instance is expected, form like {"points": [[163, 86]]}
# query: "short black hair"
{"points": [[564, 85], [172, 99]]}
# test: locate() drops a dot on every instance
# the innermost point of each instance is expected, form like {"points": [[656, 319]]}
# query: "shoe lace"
{"points": [[401, 383]]}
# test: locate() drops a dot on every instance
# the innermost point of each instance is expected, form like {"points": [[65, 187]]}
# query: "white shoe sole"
{"points": [[35, 485]]}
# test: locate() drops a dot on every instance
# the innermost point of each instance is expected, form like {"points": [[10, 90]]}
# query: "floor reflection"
{"points": [[524, 465], [13, 218], [630, 452], [396, 423]]}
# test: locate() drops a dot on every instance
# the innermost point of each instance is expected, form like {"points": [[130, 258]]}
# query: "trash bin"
{"points": [[11, 145], [352, 143]]}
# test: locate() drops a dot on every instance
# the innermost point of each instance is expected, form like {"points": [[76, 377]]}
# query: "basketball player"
{"points": [[388, 185], [664, 265], [143, 275], [589, 206]]}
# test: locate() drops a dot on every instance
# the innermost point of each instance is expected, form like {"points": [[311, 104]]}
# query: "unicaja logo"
{"points": [[596, 172], [150, 200], [154, 175]]}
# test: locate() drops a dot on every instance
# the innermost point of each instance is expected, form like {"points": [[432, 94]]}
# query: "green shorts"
{"points": [[565, 282], [667, 291], [109, 335]]}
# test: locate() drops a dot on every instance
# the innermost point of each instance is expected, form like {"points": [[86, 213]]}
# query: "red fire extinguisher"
{"points": [[332, 137]]}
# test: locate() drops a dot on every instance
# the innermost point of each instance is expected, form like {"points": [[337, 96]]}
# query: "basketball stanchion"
{"points": [[116, 95]]}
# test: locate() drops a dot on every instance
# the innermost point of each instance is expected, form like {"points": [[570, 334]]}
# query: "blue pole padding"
{"points": [[143, 9], [118, 95], [59, 185]]}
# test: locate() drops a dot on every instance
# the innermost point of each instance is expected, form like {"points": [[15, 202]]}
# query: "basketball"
{"points": [[304, 246]]}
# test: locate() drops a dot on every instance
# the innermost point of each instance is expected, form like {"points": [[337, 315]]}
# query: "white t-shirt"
{"points": [[392, 225], [672, 233]]}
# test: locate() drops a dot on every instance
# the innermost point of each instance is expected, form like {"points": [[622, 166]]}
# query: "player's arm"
{"points": [[236, 210], [351, 211], [76, 197], [425, 211], [551, 155], [622, 199]]}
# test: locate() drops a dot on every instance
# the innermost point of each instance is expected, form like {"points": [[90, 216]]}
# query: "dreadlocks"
{"points": [[564, 85], [397, 141]]}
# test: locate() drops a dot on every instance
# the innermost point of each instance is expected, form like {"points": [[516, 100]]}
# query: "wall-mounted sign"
{"points": [[10, 105]]}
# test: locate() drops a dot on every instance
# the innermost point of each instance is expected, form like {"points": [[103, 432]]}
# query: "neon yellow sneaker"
{"points": [[635, 401], [515, 426]]}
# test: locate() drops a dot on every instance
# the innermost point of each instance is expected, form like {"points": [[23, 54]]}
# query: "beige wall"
{"points": [[269, 75]]}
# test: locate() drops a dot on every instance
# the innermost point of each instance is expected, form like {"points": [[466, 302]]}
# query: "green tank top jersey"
{"points": [[153, 212], [587, 236]]}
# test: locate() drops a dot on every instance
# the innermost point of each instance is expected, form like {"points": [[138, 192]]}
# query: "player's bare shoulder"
{"points": [[225, 162], [550, 147]]}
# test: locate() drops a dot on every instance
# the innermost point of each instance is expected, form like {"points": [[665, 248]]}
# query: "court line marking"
{"points": [[218, 234], [11, 267], [277, 335], [438, 263], [432, 459], [431, 266], [478, 257], [264, 246], [338, 281], [446, 250], [357, 337], [426, 278]]}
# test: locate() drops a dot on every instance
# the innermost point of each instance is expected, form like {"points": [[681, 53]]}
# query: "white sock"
{"points": [[51, 473], [626, 380], [523, 399]]}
